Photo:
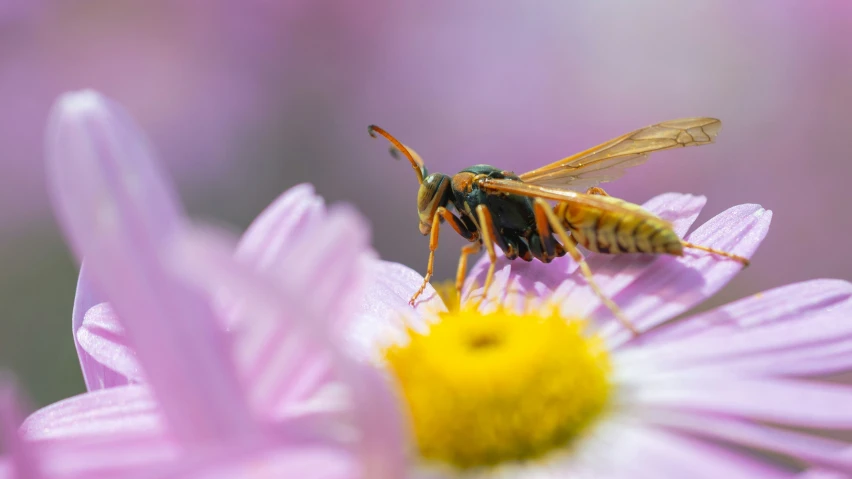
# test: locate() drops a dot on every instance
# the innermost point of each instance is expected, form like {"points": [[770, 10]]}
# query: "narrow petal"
{"points": [[385, 315], [384, 442], [806, 447], [117, 210], [288, 218], [22, 463], [789, 402], [282, 335], [125, 409], [657, 453], [789, 330], [95, 374], [670, 285], [206, 261], [266, 462], [103, 340]]}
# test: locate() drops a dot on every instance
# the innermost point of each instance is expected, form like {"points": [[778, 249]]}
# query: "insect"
{"points": [[498, 207]]}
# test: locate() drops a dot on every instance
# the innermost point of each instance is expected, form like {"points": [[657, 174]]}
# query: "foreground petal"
{"points": [[795, 329], [119, 410], [103, 340], [789, 402], [96, 375], [117, 209], [206, 261], [290, 217], [385, 315], [659, 453], [807, 447], [21, 461]]}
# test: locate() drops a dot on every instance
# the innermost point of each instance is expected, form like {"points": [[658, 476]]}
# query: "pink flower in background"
{"points": [[210, 403]]}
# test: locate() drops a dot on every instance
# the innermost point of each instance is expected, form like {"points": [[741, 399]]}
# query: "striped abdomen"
{"points": [[623, 228]]}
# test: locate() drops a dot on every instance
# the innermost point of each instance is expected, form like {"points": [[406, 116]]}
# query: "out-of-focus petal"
{"points": [[125, 409], [516, 280], [204, 259], [769, 333], [291, 216], [117, 211], [385, 314], [22, 463], [103, 340], [790, 402], [669, 285], [658, 453], [276, 345], [816, 450], [95, 374], [384, 441], [293, 461]]}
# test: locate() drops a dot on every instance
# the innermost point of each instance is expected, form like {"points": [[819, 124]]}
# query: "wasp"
{"points": [[495, 207]]}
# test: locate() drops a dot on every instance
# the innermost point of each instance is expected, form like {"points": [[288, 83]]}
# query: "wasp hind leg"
{"points": [[737, 258], [544, 215]]}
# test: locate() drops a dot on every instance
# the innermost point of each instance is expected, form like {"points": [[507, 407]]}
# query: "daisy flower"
{"points": [[541, 381]]}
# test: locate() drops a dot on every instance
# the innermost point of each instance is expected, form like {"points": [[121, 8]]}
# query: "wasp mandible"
{"points": [[498, 207]]}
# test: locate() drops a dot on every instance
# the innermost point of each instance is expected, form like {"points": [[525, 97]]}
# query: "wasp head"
{"points": [[434, 192]]}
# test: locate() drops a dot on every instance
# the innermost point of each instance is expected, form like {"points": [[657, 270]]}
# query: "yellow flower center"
{"points": [[483, 389]]}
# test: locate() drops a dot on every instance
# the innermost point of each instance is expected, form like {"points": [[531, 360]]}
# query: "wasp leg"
{"points": [[544, 211], [740, 259], [489, 233], [457, 225], [594, 190], [466, 251]]}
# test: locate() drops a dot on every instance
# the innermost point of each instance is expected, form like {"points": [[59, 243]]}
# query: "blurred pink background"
{"points": [[245, 99]]}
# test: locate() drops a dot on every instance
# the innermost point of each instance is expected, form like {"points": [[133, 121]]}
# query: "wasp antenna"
{"points": [[416, 162]]}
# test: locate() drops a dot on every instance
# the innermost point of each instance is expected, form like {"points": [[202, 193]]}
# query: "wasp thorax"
{"points": [[434, 192]]}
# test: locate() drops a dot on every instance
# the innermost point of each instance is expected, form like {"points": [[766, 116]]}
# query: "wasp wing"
{"points": [[608, 161], [600, 202]]}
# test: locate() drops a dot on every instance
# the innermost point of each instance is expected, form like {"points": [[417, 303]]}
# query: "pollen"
{"points": [[487, 389]]}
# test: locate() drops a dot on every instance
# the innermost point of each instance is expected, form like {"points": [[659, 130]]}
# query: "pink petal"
{"points": [[660, 454], [206, 261], [103, 340], [282, 332], [790, 402], [384, 443], [385, 314], [22, 464], [95, 374], [810, 448], [671, 285], [103, 413], [516, 280], [117, 211], [300, 461], [769, 333], [289, 217]]}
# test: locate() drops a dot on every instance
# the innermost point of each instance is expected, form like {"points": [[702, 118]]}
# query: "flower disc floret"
{"points": [[484, 389]]}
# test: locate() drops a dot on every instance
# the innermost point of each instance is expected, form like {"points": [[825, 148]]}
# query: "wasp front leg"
{"points": [[458, 225]]}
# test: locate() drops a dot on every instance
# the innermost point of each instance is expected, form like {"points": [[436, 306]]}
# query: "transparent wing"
{"points": [[605, 203], [608, 161]]}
